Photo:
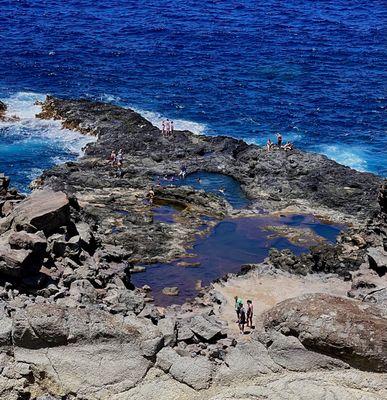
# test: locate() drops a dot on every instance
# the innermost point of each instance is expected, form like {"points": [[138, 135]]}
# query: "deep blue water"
{"points": [[314, 70]]}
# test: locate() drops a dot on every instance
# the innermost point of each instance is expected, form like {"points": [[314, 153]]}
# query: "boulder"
{"points": [[195, 372], [16, 263], [83, 291], [247, 360], [353, 331], [165, 358], [204, 329], [168, 329], [377, 258], [45, 210], [289, 353], [86, 236], [28, 241]]}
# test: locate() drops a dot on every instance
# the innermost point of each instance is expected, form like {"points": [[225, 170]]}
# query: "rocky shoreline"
{"points": [[74, 327]]}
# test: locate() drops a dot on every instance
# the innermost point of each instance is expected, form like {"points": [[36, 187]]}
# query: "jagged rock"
{"points": [[86, 236], [83, 291], [5, 330], [45, 210], [16, 262], [28, 241], [350, 330], [124, 300], [204, 329], [165, 358], [378, 260], [168, 329], [247, 360]]}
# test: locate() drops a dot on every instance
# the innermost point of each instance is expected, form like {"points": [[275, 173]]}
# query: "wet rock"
{"points": [[171, 291], [4, 182], [350, 330]]}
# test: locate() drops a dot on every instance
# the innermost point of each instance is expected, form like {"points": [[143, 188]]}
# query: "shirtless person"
{"points": [[250, 313], [167, 127], [279, 140]]}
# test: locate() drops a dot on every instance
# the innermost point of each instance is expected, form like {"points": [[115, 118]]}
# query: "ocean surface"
{"points": [[313, 70]]}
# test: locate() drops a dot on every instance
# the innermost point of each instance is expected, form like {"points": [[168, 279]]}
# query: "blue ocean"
{"points": [[313, 70]]}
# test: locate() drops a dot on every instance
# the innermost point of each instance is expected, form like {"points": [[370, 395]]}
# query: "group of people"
{"points": [[270, 145], [167, 127], [245, 317], [116, 160]]}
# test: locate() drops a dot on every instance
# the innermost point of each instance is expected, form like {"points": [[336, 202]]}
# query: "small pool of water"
{"points": [[212, 182], [232, 243]]}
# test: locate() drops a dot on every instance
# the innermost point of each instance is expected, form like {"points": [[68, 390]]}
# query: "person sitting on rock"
{"points": [[250, 312], [242, 318], [279, 140], [150, 195], [288, 146]]}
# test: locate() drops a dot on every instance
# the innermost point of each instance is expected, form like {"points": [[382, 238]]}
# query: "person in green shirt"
{"points": [[238, 305]]}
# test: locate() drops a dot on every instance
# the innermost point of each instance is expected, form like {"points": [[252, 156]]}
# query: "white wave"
{"points": [[23, 106], [180, 124], [345, 154]]}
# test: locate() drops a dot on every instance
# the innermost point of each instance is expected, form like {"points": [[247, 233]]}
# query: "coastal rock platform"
{"points": [[73, 326]]}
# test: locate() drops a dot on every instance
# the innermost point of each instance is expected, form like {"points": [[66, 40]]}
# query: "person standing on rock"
{"points": [[238, 303], [167, 127], [279, 140], [242, 318], [250, 312], [120, 158], [163, 131], [268, 145], [112, 158], [172, 128]]}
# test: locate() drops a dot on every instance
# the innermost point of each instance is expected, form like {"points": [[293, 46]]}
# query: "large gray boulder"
{"points": [[44, 210], [195, 372], [245, 361], [351, 330], [205, 329]]}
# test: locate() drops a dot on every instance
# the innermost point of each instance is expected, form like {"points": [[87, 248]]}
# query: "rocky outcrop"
{"points": [[72, 325], [44, 210], [346, 329]]}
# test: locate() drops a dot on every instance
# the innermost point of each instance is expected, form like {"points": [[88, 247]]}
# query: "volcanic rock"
{"points": [[350, 330]]}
